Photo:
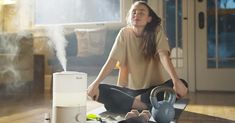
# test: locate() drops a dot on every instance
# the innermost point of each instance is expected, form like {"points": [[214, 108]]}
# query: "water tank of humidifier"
{"points": [[69, 97]]}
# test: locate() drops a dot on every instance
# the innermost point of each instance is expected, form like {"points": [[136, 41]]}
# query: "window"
{"points": [[173, 23], [76, 11], [220, 34]]}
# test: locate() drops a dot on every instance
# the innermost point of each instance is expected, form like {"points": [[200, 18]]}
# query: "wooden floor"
{"points": [[204, 107], [210, 107]]}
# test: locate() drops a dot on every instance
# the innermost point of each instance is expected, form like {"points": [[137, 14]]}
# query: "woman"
{"points": [[140, 48]]}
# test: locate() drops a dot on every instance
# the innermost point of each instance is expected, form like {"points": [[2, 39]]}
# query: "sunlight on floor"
{"points": [[30, 116], [226, 112]]}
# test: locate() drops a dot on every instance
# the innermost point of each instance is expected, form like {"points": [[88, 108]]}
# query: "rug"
{"points": [[109, 117]]}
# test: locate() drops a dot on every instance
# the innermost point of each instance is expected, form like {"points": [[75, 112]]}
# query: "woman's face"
{"points": [[140, 15]]}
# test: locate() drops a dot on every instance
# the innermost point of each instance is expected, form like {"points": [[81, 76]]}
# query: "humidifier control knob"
{"points": [[77, 117]]}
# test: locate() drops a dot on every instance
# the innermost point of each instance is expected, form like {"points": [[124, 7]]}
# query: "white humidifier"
{"points": [[69, 97]]}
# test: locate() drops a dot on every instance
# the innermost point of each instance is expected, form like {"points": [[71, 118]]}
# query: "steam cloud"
{"points": [[10, 75], [9, 46], [58, 41]]}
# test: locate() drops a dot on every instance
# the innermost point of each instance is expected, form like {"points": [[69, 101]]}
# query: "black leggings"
{"points": [[120, 99]]}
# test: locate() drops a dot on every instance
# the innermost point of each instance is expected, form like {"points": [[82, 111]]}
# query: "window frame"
{"points": [[120, 23]]}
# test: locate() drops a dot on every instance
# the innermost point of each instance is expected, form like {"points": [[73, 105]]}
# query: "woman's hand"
{"points": [[93, 91], [180, 89]]}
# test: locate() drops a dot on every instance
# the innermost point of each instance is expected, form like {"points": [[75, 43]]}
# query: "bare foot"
{"points": [[145, 114], [132, 113]]}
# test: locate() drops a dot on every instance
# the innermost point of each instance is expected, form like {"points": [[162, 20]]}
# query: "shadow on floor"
{"points": [[191, 117]]}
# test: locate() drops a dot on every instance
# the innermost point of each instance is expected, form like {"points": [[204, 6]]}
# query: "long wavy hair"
{"points": [[148, 44]]}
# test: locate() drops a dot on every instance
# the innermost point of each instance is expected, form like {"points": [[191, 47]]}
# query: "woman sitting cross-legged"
{"points": [[141, 48]]}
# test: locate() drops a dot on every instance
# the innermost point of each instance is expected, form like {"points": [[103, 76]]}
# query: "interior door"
{"points": [[215, 45]]}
